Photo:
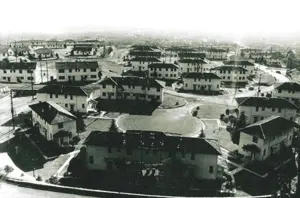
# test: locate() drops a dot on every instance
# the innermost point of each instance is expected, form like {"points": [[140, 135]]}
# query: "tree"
{"points": [[240, 123], [65, 46], [40, 57], [252, 148], [227, 112], [5, 60], [100, 74], [113, 126], [80, 123], [57, 56], [202, 134]]}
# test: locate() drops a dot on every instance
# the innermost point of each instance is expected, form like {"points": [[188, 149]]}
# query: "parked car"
{"points": [[251, 88], [278, 72]]}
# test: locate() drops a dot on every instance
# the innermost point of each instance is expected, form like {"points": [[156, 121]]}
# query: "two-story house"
{"points": [[72, 98], [53, 121], [268, 136], [201, 82], [55, 44], [192, 65], [259, 108], [163, 71], [132, 88], [287, 90], [77, 71], [215, 53], [84, 50], [141, 63], [105, 149], [18, 72], [69, 42], [232, 74], [241, 63], [191, 55]]}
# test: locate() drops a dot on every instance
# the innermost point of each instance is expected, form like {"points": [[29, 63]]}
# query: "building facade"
{"points": [[163, 71], [141, 63], [287, 90], [232, 74], [132, 88], [201, 82], [241, 63], [77, 71], [18, 72], [192, 65]]}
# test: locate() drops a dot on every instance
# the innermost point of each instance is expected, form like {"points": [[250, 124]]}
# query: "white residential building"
{"points": [[259, 108], [193, 65], [77, 71], [141, 63], [18, 72], [72, 98], [103, 149], [163, 71], [132, 88], [191, 54], [215, 53], [232, 74], [44, 53], [287, 90], [53, 121], [242, 63], [55, 44], [269, 136], [201, 82], [84, 50]]}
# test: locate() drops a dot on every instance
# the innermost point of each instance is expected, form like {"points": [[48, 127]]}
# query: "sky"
{"points": [[228, 17]]}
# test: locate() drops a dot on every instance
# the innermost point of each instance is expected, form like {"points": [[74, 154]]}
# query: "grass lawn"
{"points": [[171, 101], [212, 110]]}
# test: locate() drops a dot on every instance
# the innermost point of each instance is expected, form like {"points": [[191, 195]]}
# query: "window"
{"points": [[217, 86], [157, 89], [103, 94], [261, 118], [4, 78], [254, 139], [83, 105], [186, 85], [223, 77], [279, 90], [20, 71], [84, 70], [91, 159], [66, 105], [93, 70], [228, 77], [167, 75], [109, 149], [50, 95], [61, 77], [70, 70], [93, 76], [209, 80], [29, 78], [211, 169], [28, 71], [192, 156], [4, 71], [60, 125], [263, 108], [257, 108], [56, 95], [279, 110], [129, 151], [291, 118], [71, 97], [66, 96], [273, 108], [103, 86], [59, 71]]}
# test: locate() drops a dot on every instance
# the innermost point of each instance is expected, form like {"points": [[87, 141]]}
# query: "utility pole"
{"points": [[41, 72], [47, 70], [31, 84], [12, 110], [258, 91]]}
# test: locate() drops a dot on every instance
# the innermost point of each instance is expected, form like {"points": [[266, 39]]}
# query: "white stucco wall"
{"points": [[166, 73], [214, 84], [77, 74]]}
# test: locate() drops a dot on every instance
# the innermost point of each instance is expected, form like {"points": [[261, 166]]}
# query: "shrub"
{"points": [[53, 180], [198, 108], [227, 111], [195, 113], [76, 139], [177, 103], [222, 117], [8, 169], [39, 178]]}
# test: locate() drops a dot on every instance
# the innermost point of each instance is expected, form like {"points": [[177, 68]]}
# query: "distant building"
{"points": [[141, 63], [77, 71], [69, 42], [215, 53], [55, 44], [53, 121], [132, 88], [163, 71], [105, 149], [191, 55], [275, 59], [28, 43], [268, 136], [44, 53], [20, 51], [149, 54], [232, 74], [3, 52], [72, 98], [18, 72], [194, 81], [259, 108], [95, 42], [84, 50], [241, 63]]}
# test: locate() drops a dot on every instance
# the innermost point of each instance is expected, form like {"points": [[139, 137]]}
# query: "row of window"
{"points": [[132, 87], [20, 71], [234, 78], [159, 69], [289, 91], [128, 94], [21, 78], [76, 70], [66, 96], [70, 77], [199, 79], [67, 105], [166, 75], [229, 72], [204, 86], [263, 109]]}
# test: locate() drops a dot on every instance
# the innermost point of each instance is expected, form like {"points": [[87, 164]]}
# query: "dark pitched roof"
{"points": [[212, 49], [191, 54], [77, 64], [145, 59], [43, 51], [238, 62], [52, 113], [269, 127], [20, 49], [145, 53], [64, 89], [200, 61], [293, 86], [200, 75], [153, 139], [143, 47], [230, 68], [54, 42], [163, 65], [18, 65], [132, 80], [265, 102]]}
